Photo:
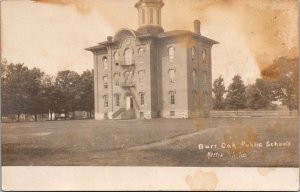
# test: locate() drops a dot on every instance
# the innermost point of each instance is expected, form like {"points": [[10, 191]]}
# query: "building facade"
{"points": [[149, 73]]}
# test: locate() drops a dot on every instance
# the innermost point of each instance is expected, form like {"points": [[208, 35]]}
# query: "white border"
{"points": [[33, 178]]}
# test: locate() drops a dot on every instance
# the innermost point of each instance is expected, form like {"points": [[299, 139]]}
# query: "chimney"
{"points": [[109, 38], [197, 27]]}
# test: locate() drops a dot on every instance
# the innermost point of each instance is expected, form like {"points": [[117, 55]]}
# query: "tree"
{"points": [[34, 89], [49, 95], [284, 76], [259, 94], [236, 96], [219, 91], [86, 91], [14, 93], [20, 89], [66, 92]]}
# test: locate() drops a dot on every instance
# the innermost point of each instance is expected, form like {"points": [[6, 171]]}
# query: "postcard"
{"points": [[150, 95]]}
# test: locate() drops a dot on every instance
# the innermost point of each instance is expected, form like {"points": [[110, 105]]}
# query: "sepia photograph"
{"points": [[156, 84]]}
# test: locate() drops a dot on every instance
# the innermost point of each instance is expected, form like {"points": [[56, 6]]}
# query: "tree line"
{"points": [[278, 83], [32, 91]]}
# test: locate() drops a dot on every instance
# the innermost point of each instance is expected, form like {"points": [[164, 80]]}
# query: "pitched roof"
{"points": [[167, 34], [185, 32]]}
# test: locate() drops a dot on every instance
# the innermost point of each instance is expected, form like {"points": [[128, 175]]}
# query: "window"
{"points": [[117, 100], [205, 98], [116, 78], [141, 53], [128, 76], [172, 75], [128, 56], [194, 76], [158, 17], [143, 16], [172, 97], [171, 52], [116, 56], [204, 54], [141, 76], [105, 82], [105, 99], [194, 94], [105, 63], [193, 53], [151, 15], [142, 98], [205, 77]]}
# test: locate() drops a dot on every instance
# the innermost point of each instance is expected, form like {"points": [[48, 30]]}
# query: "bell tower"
{"points": [[149, 14]]}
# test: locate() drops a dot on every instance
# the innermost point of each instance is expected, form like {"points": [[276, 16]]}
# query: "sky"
{"points": [[52, 34]]}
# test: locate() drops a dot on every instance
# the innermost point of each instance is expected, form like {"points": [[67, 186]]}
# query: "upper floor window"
{"points": [[205, 77], [105, 82], [141, 53], [205, 98], [193, 53], [194, 76], [204, 54], [151, 15], [128, 76], [172, 75], [143, 16], [171, 52], [116, 56], [194, 93], [116, 78], [141, 76], [105, 63], [128, 56], [117, 100], [105, 100], [172, 97], [142, 98]]}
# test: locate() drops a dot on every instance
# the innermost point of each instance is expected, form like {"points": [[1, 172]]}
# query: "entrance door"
{"points": [[129, 102]]}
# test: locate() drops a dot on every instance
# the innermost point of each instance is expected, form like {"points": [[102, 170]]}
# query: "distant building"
{"points": [[150, 73]]}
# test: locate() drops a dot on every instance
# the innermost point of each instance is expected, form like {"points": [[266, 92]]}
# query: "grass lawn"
{"points": [[156, 142]]}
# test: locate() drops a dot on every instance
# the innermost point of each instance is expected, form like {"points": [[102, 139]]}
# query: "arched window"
{"points": [[151, 15], [171, 52], [205, 77], [172, 75], [172, 97], [193, 53], [128, 76], [128, 56], [194, 76], [116, 78], [105, 82], [141, 76], [141, 53], [105, 63], [143, 16], [116, 56]]}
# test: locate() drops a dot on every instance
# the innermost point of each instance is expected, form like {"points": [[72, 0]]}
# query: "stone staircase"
{"points": [[128, 114], [117, 114]]}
